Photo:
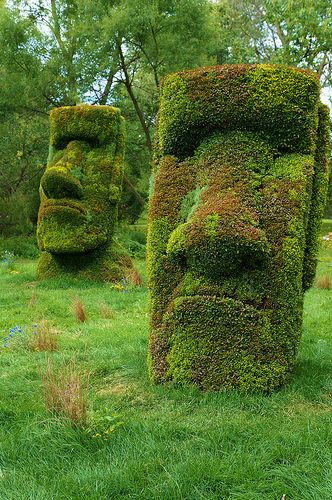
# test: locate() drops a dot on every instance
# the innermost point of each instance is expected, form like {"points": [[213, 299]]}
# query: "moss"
{"points": [[80, 191], [96, 125], [104, 264], [280, 101], [238, 194]]}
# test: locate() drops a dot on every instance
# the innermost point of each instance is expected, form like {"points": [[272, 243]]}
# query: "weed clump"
{"points": [[7, 260], [102, 424]]}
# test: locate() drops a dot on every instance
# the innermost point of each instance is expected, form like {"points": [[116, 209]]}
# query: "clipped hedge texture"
{"points": [[80, 191], [239, 191]]}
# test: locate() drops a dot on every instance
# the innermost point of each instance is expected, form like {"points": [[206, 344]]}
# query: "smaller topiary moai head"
{"points": [[239, 191], [80, 191]]}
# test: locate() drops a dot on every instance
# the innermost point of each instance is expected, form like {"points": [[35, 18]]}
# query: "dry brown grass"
{"points": [[66, 392], [105, 311], [324, 282], [78, 309], [327, 241], [133, 277], [44, 338], [33, 299]]}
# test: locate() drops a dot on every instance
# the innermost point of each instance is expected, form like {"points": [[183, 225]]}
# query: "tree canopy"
{"points": [[63, 52]]}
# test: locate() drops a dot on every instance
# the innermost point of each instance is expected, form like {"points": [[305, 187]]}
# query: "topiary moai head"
{"points": [[80, 191], [238, 195]]}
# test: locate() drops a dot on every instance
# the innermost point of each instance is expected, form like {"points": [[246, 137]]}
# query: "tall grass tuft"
{"points": [[33, 299], [78, 309], [105, 311], [44, 338], [66, 392], [324, 282]]}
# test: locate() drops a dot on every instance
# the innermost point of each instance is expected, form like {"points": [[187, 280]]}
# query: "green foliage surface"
{"points": [[239, 192], [174, 442]]}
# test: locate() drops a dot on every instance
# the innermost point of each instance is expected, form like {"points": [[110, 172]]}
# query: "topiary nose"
{"points": [[57, 182], [220, 244], [227, 255]]}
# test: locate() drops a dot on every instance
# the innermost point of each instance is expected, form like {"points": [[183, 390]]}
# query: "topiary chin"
{"points": [[80, 192], [239, 191]]}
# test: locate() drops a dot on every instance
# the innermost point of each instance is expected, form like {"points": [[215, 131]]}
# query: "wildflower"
{"points": [[9, 337]]}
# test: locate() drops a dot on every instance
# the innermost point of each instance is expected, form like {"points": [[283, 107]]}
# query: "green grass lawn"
{"points": [[168, 443]]}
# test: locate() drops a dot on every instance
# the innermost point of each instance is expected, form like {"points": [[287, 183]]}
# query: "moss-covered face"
{"points": [[80, 191], [234, 215], [81, 186]]}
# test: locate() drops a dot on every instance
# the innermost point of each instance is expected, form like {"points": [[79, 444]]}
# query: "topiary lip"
{"points": [[54, 204], [219, 298], [190, 307]]}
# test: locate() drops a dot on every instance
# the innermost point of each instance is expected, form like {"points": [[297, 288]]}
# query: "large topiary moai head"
{"points": [[238, 195], [80, 191]]}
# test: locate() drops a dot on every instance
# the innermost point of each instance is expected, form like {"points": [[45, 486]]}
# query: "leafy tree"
{"points": [[293, 32], [23, 146], [20, 65], [67, 51]]}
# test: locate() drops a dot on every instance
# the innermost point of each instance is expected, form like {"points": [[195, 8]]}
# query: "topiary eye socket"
{"points": [[57, 182]]}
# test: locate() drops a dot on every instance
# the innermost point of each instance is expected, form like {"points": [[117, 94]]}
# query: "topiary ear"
{"points": [[114, 194]]}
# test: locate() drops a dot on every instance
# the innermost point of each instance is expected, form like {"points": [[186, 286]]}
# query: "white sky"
{"points": [[326, 96]]}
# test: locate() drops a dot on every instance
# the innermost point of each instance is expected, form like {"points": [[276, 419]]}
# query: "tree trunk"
{"points": [[136, 194], [132, 96]]}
